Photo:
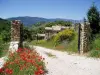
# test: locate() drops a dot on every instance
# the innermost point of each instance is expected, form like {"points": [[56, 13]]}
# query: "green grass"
{"points": [[94, 53], [3, 49], [70, 46], [43, 43], [95, 47]]}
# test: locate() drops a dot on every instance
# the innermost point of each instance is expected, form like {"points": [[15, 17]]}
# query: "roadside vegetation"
{"points": [[65, 40], [58, 43], [23, 62], [95, 47], [93, 16]]}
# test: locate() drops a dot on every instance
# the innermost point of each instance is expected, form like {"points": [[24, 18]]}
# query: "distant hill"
{"points": [[32, 20]]}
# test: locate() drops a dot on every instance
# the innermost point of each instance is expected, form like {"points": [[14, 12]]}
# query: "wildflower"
{"points": [[40, 67], [1, 70], [21, 68], [11, 63], [6, 64], [41, 71], [9, 71], [19, 50]]}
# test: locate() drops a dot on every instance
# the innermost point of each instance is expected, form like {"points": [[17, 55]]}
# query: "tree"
{"points": [[93, 18], [27, 34], [63, 23], [5, 36]]}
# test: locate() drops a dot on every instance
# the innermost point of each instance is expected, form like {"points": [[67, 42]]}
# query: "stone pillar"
{"points": [[84, 38], [16, 35]]}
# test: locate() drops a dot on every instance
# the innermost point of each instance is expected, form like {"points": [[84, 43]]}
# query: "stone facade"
{"points": [[15, 30], [84, 38], [16, 35], [51, 31]]}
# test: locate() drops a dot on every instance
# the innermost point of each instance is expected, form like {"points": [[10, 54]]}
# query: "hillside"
{"points": [[32, 20], [4, 25]]}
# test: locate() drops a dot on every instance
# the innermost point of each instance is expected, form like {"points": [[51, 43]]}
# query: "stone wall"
{"points": [[84, 38], [15, 30], [16, 35]]}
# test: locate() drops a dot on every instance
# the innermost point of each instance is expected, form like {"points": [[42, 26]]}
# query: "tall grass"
{"points": [[95, 47], [63, 46], [43, 43], [3, 48], [73, 45]]}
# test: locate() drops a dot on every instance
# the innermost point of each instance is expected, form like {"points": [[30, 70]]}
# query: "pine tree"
{"points": [[93, 18]]}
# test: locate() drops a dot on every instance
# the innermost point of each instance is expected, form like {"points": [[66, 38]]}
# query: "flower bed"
{"points": [[23, 62]]}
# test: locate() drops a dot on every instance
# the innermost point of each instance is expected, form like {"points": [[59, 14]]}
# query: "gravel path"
{"points": [[63, 64]]}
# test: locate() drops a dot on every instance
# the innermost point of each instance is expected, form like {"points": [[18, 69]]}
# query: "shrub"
{"points": [[41, 41], [96, 42], [95, 47], [73, 45], [63, 35], [23, 62], [95, 53]]}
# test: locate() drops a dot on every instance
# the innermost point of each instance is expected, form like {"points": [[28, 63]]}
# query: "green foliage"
{"points": [[50, 24], [5, 36], [41, 41], [63, 35], [5, 30], [40, 30], [3, 48], [72, 45], [94, 53], [44, 43], [95, 44], [24, 62], [95, 47], [27, 33], [4, 25], [62, 23], [93, 18]]}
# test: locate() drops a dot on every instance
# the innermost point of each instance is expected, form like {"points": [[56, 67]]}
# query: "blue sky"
{"points": [[68, 9]]}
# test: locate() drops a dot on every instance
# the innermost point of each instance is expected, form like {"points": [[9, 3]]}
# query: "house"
{"points": [[51, 31]]}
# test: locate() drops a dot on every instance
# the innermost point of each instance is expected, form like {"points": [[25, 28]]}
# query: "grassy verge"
{"points": [[3, 49], [95, 48], [43, 43], [70, 46]]}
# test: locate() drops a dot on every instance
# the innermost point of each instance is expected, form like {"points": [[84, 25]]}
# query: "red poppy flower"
{"points": [[1, 70], [9, 71]]}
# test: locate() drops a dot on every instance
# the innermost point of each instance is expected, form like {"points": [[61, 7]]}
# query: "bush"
{"points": [[95, 47], [73, 45], [23, 62], [63, 35], [41, 41], [95, 53]]}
